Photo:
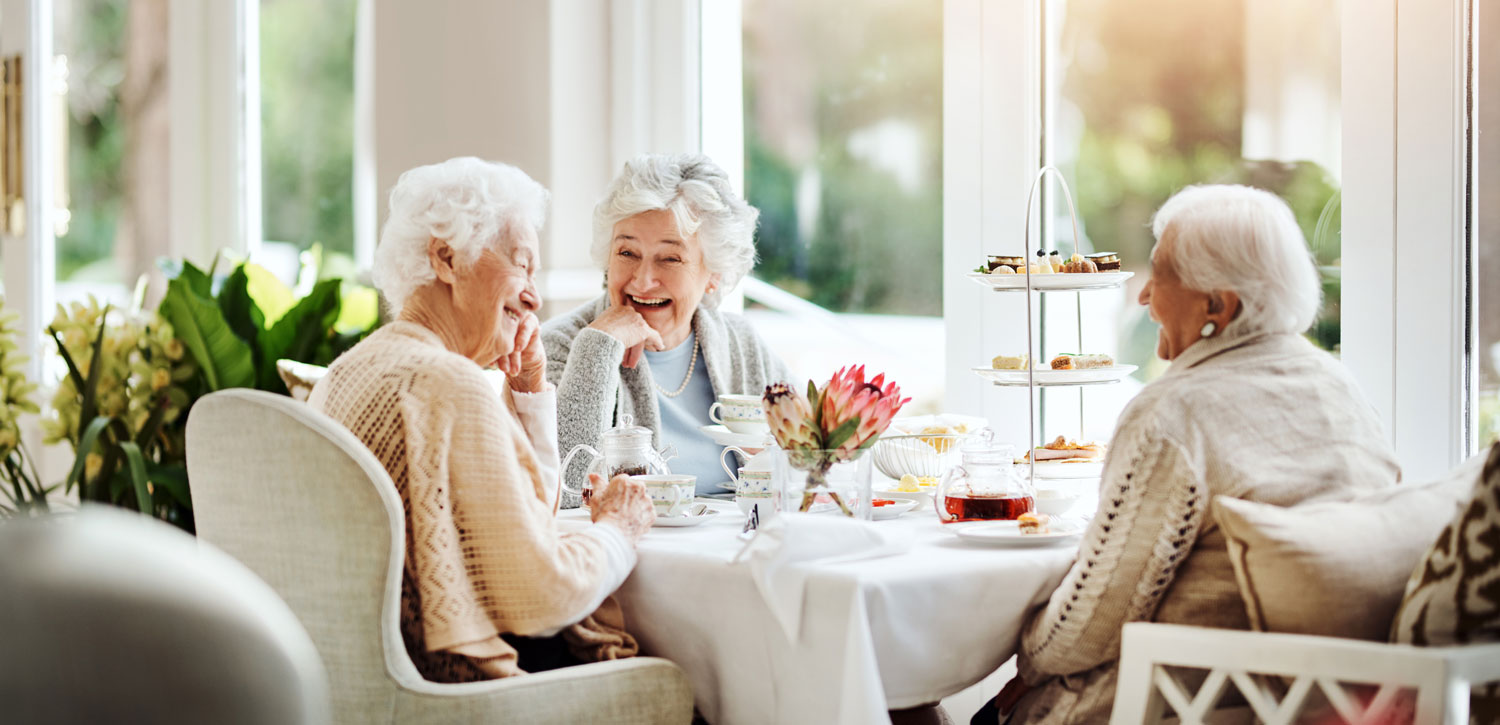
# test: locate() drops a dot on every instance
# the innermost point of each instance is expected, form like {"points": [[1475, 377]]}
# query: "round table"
{"points": [[893, 632]]}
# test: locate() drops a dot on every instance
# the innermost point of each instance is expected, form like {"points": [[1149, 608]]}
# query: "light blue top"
{"points": [[681, 416]]}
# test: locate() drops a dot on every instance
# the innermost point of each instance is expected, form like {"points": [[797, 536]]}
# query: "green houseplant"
{"points": [[134, 375]]}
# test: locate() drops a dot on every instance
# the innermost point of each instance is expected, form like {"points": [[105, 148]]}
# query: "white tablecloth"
{"points": [[876, 634]]}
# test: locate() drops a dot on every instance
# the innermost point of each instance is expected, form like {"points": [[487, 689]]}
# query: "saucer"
{"points": [[726, 437], [891, 511], [679, 521]]}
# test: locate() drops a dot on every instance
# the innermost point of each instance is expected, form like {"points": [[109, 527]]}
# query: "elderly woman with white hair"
{"points": [[490, 588], [672, 238], [1248, 409]]}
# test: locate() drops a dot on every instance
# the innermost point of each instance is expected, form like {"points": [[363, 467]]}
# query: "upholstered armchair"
{"points": [[304, 504]]}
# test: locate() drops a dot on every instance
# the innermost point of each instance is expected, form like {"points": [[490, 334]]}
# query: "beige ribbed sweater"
{"points": [[483, 553], [1262, 417]]}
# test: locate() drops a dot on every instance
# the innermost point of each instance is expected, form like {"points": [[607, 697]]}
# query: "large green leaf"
{"points": [[240, 311], [225, 359], [196, 279], [300, 332], [268, 293]]}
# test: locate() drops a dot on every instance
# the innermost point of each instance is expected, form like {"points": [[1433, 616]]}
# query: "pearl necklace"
{"points": [[692, 365]]}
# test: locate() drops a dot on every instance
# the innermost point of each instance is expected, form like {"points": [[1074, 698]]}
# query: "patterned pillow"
{"points": [[1453, 597], [299, 377]]}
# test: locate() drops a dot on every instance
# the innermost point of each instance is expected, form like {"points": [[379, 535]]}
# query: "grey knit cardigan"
{"points": [[593, 391]]}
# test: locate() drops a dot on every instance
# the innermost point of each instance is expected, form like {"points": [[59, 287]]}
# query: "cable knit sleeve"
{"points": [[1151, 505], [477, 499], [586, 370]]}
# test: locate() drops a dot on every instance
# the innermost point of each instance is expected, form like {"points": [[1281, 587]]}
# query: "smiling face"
{"points": [[658, 272], [491, 295]]}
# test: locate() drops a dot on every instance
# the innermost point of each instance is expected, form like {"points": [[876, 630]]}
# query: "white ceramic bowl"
{"points": [[1056, 501]]}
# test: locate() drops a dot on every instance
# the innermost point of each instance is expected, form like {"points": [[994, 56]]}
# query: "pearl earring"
{"points": [[1208, 329]]}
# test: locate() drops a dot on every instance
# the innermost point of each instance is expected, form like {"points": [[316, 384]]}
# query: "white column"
{"points": [[991, 150], [29, 258], [215, 107]]}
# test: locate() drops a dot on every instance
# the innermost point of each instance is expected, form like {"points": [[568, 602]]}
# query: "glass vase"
{"points": [[812, 481]]}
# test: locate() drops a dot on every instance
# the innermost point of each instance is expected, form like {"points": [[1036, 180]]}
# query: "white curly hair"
{"points": [[699, 195], [467, 202], [1239, 238]]}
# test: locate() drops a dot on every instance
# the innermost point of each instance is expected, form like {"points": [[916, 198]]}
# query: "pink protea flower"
{"points": [[853, 413]]}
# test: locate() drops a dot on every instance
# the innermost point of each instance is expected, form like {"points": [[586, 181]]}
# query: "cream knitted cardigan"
{"points": [[1263, 417], [483, 553]]}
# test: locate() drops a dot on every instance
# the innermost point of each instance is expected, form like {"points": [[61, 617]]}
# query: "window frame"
{"points": [[1404, 100]]}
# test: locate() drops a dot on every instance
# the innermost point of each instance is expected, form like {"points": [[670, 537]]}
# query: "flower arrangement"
{"points": [[129, 382], [23, 489], [831, 424]]}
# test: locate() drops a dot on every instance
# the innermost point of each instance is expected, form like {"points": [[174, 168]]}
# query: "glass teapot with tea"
{"points": [[985, 486], [627, 450]]}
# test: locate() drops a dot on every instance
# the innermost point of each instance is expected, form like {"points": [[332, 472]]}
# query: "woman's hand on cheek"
{"points": [[525, 367], [623, 323]]}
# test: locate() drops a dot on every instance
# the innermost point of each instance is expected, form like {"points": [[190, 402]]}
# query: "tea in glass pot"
{"points": [[985, 486], [627, 451]]}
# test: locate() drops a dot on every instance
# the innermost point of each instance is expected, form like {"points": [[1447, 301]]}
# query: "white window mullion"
{"points": [[215, 145], [1431, 168], [1368, 307], [991, 148]]}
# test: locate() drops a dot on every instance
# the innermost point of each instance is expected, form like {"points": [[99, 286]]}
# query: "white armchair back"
{"points": [[302, 502], [305, 505]]}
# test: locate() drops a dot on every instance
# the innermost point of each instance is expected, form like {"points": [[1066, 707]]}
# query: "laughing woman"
{"points": [[672, 237]]}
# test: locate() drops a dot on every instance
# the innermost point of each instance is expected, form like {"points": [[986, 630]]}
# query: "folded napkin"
{"points": [[787, 549]]}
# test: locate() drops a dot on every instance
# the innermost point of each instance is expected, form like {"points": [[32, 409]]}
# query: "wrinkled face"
{"points": [[491, 295], [658, 272], [1180, 311]]}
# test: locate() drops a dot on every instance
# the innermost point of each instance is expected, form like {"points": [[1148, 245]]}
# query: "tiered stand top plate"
{"points": [[1048, 378], [1056, 282]]}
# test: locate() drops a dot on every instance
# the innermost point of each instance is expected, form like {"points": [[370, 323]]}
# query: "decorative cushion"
{"points": [[299, 377], [1453, 596], [1336, 568]]}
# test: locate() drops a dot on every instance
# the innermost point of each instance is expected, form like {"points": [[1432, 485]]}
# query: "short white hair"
{"points": [[467, 202], [1245, 240], [698, 194]]}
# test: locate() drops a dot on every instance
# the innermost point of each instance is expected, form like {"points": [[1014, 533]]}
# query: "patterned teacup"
{"points": [[739, 413], [765, 504], [671, 493]]}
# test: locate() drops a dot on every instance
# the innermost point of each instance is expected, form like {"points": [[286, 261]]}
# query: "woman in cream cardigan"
{"points": [[672, 237], [1248, 409], [488, 578]]}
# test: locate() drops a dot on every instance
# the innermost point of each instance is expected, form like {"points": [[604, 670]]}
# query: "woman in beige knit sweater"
{"points": [[491, 588], [1248, 409]]}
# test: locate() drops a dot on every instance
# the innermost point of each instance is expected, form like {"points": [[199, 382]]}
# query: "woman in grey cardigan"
{"points": [[671, 236], [1248, 409]]}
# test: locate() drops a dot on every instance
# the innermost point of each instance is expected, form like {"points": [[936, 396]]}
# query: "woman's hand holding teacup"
{"points": [[525, 367], [622, 502], [623, 323]]}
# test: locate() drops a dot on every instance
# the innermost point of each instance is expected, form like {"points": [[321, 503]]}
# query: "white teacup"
{"points": [[671, 493], [739, 413], [763, 504]]}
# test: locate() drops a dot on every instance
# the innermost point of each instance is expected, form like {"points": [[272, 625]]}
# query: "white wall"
{"points": [[526, 83]]}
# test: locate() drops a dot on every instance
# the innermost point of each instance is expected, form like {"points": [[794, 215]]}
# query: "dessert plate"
{"points": [[1007, 533], [891, 511], [1087, 376], [726, 437], [1064, 282]]}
